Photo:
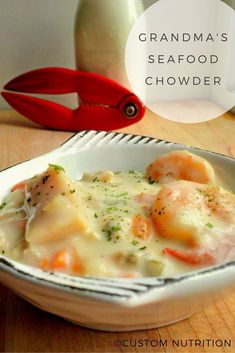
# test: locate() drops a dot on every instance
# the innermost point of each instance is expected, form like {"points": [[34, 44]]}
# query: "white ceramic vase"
{"points": [[101, 32]]}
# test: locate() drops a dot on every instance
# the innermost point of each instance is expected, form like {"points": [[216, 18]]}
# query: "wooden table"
{"points": [[24, 328]]}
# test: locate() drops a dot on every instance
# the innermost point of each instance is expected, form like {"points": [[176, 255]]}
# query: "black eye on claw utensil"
{"points": [[130, 110]]}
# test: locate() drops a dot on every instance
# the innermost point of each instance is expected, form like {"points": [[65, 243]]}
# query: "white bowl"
{"points": [[113, 304]]}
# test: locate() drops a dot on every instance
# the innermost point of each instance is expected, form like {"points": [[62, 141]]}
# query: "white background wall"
{"points": [[36, 33]]}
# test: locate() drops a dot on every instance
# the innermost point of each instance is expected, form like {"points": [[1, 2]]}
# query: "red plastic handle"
{"points": [[104, 105]]}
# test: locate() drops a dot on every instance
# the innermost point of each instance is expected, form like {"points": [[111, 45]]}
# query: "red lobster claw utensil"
{"points": [[104, 104]]}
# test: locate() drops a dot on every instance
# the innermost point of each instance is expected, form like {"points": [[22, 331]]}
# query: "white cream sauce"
{"points": [[102, 225], [108, 247]]}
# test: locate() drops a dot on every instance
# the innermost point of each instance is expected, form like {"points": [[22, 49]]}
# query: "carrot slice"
{"points": [[65, 260], [191, 258], [59, 260], [44, 263], [141, 227], [77, 265], [129, 275]]}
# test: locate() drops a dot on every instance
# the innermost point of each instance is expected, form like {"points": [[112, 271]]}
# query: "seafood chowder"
{"points": [[174, 218]]}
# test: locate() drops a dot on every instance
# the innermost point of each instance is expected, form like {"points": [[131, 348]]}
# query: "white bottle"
{"points": [[101, 32]]}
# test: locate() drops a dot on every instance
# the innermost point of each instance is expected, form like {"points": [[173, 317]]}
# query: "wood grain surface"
{"points": [[24, 328]]}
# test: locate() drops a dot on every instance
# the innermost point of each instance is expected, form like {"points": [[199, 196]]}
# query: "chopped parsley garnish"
{"points": [[134, 242], [151, 182], [143, 248], [95, 215], [108, 235], [209, 225], [57, 167], [45, 178], [2, 205], [63, 193], [115, 228], [122, 194], [72, 191]]}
